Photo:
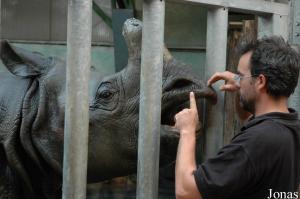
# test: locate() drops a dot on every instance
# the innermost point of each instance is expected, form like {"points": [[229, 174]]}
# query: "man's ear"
{"points": [[21, 62], [261, 82]]}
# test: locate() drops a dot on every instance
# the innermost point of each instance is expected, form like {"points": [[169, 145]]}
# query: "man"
{"points": [[263, 160]]}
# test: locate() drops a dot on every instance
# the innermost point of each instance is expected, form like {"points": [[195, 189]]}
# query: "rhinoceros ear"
{"points": [[21, 62]]}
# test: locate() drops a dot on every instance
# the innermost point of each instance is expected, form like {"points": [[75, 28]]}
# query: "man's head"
{"points": [[268, 66]]}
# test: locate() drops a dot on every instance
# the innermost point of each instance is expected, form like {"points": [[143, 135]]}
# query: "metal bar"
{"points": [[216, 42], [248, 6], [295, 22], [0, 19], [56, 42], [77, 106], [150, 98], [294, 39]]}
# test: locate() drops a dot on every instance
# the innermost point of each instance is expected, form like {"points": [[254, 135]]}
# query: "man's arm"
{"points": [[185, 183], [186, 122]]}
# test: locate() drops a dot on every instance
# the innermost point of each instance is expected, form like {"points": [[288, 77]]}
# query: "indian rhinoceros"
{"points": [[32, 104]]}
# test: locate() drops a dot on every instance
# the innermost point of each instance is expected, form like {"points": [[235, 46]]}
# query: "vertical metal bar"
{"points": [[278, 25], [76, 110], [1, 36], [0, 20], [150, 98], [294, 38], [216, 42]]}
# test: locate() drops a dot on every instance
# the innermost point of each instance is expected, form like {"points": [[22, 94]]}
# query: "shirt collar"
{"points": [[292, 115]]}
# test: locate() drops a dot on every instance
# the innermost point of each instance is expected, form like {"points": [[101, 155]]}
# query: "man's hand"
{"points": [[230, 84], [187, 120]]}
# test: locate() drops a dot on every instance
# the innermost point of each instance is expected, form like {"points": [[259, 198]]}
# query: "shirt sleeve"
{"points": [[228, 174]]}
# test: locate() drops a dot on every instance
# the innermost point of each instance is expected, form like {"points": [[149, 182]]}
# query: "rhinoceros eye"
{"points": [[106, 94]]}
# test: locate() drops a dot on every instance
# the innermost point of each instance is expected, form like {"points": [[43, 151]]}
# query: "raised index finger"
{"points": [[193, 104]]}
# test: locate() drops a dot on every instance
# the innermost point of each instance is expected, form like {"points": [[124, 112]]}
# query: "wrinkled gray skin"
{"points": [[32, 104]]}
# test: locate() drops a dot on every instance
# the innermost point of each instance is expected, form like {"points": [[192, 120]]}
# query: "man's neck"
{"points": [[268, 104]]}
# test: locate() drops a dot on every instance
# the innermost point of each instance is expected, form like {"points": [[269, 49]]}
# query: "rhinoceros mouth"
{"points": [[175, 97], [172, 103], [170, 109]]}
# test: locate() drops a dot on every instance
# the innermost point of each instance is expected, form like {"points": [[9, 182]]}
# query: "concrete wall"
{"points": [[37, 21], [103, 57]]}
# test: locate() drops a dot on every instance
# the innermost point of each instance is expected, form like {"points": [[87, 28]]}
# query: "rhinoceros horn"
{"points": [[132, 32]]}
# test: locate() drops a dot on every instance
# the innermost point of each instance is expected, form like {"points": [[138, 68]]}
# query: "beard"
{"points": [[248, 104]]}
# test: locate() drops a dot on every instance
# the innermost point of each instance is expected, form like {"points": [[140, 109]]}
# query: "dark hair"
{"points": [[276, 60]]}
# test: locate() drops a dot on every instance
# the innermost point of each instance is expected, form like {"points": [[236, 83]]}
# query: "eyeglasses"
{"points": [[237, 78]]}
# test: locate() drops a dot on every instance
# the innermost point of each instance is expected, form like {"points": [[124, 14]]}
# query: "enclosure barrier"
{"points": [[0, 20], [77, 105], [294, 38], [150, 98], [273, 18], [216, 42]]}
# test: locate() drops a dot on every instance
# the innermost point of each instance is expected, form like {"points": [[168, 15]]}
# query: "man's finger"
{"points": [[220, 76], [193, 104], [229, 87]]}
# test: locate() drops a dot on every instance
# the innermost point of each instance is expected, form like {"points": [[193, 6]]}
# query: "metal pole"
{"points": [[216, 42], [76, 110], [0, 20], [150, 98], [294, 39]]}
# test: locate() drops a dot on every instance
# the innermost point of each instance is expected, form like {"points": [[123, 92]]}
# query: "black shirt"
{"points": [[263, 158]]}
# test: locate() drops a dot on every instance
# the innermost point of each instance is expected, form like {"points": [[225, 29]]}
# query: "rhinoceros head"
{"points": [[114, 111]]}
